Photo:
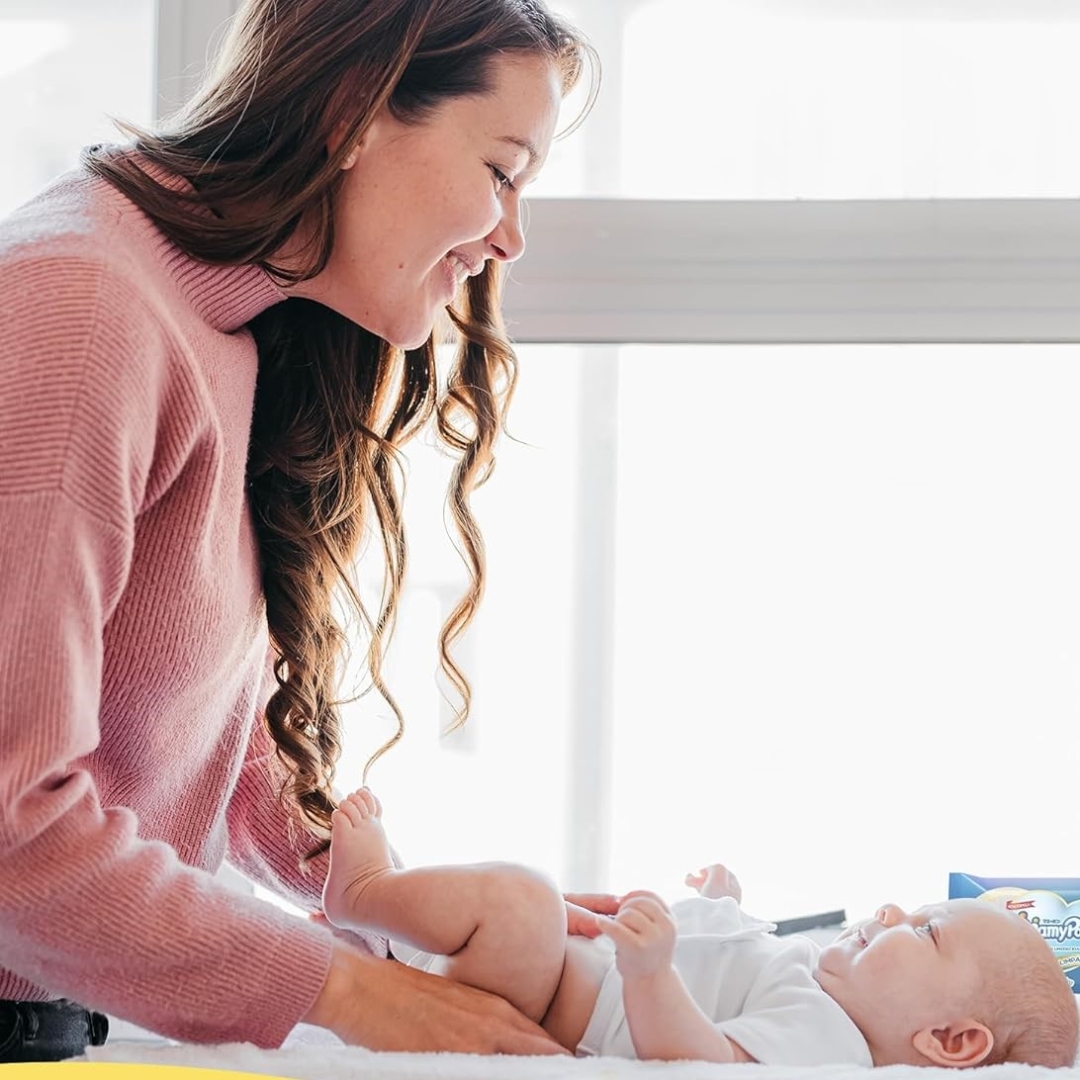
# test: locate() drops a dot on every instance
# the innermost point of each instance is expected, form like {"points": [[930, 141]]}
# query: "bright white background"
{"points": [[809, 609]]}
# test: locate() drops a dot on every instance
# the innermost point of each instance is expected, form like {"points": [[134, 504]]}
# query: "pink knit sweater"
{"points": [[133, 636]]}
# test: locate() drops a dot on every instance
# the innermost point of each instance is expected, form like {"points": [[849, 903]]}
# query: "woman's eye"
{"points": [[501, 178]]}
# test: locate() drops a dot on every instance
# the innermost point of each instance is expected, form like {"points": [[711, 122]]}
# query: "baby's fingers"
{"points": [[631, 928], [618, 931], [647, 904], [636, 920], [644, 894]]}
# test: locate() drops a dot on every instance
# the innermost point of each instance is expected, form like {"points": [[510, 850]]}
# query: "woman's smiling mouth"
{"points": [[462, 266]]}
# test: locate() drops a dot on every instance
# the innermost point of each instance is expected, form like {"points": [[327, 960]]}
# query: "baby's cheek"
{"points": [[834, 960]]}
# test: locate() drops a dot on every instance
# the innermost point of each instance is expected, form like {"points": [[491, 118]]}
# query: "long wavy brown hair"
{"points": [[333, 402]]}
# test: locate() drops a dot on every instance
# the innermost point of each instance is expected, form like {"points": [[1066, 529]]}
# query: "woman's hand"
{"points": [[384, 1005], [644, 935], [582, 910]]}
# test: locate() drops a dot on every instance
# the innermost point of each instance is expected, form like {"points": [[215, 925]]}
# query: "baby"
{"points": [[953, 984]]}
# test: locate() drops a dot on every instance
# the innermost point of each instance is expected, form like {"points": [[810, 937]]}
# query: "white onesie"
{"points": [[757, 988]]}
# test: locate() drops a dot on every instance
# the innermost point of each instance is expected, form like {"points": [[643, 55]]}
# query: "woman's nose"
{"points": [[890, 915], [507, 240]]}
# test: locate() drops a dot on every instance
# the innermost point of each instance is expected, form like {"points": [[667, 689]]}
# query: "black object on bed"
{"points": [[803, 923]]}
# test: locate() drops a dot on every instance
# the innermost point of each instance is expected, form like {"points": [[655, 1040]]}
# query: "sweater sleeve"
{"points": [[88, 909]]}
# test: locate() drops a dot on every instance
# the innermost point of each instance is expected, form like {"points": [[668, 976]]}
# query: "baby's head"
{"points": [[955, 984]]}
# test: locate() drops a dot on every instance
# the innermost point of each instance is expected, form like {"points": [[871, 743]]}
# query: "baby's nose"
{"points": [[890, 914]]}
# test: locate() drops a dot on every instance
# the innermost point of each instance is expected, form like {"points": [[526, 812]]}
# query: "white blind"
{"points": [[828, 99]]}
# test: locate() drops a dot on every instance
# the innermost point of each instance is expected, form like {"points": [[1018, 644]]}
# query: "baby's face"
{"points": [[899, 973]]}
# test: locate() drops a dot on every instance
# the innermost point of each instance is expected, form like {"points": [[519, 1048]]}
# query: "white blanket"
{"points": [[318, 1061]]}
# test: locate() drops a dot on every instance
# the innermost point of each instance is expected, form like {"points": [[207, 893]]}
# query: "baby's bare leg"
{"points": [[496, 926]]}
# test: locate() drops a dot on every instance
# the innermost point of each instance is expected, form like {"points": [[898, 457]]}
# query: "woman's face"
{"points": [[424, 205]]}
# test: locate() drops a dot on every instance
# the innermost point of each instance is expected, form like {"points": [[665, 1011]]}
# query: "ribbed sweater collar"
{"points": [[225, 297]]}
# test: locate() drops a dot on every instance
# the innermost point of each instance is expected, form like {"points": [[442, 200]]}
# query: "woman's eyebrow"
{"points": [[524, 144]]}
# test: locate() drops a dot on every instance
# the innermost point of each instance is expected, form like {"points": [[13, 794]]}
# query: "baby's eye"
{"points": [[927, 928]]}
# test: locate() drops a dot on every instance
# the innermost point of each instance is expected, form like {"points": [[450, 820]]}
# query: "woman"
{"points": [[215, 340]]}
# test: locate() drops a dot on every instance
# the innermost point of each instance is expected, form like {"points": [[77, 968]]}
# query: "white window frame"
{"points": [[953, 270]]}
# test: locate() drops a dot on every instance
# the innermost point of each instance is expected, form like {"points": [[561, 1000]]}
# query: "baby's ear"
{"points": [[959, 1046]]}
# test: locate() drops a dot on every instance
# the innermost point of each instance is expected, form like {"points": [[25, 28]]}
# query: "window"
{"points": [[842, 632], [827, 99], [781, 566], [847, 617], [923, 220]]}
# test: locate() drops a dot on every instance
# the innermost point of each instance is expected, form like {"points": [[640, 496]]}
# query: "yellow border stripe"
{"points": [[106, 1070]]}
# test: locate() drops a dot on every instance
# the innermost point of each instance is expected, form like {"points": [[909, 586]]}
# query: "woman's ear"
{"points": [[333, 144], [377, 131], [959, 1046]]}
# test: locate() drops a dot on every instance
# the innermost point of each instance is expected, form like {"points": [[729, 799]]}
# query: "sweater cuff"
{"points": [[292, 975]]}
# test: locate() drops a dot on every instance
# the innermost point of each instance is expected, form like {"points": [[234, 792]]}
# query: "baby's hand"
{"points": [[644, 935], [715, 881]]}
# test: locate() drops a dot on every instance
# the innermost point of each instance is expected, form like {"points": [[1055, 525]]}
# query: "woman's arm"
{"points": [[90, 907]]}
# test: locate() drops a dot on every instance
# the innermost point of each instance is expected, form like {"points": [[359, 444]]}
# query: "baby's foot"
{"points": [[359, 856], [715, 881]]}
